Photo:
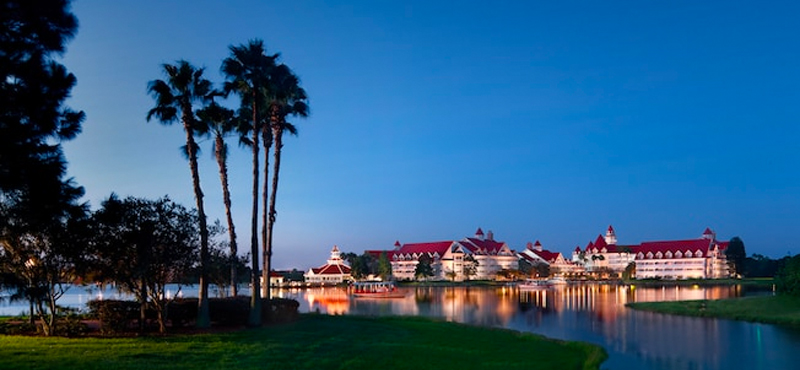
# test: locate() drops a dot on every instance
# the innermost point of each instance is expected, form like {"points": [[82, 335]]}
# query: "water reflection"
{"points": [[596, 313], [593, 313]]}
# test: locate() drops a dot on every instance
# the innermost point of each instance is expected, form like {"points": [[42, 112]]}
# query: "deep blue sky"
{"points": [[537, 120]]}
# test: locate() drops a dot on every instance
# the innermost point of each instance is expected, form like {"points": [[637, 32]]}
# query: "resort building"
{"points": [[478, 258], [332, 273], [535, 255], [702, 258]]}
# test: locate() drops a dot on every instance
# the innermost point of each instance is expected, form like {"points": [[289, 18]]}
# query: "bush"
{"points": [[115, 316], [181, 312], [282, 310], [787, 280], [229, 311]]}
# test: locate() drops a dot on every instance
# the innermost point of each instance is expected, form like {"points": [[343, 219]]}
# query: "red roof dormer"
{"points": [[578, 249]]}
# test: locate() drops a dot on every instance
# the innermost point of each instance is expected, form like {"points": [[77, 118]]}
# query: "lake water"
{"points": [[588, 312]]}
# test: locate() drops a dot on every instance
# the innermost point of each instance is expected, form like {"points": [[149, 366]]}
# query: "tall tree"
{"points": [[221, 122], [423, 270], [175, 99], [286, 99], [247, 72], [35, 199], [142, 245], [736, 256]]}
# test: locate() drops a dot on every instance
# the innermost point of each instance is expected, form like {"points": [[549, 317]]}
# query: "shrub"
{"points": [[181, 312], [115, 316], [787, 280], [229, 311], [281, 310]]}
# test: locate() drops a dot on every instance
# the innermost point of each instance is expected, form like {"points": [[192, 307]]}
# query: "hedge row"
{"points": [[120, 316]]}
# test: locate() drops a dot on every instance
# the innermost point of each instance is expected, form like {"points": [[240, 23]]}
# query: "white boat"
{"points": [[556, 280], [533, 284], [377, 289]]}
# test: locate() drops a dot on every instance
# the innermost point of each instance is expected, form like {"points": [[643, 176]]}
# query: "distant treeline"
{"points": [[762, 266]]}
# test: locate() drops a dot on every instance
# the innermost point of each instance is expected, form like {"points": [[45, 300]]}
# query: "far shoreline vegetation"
{"points": [[780, 310], [312, 342]]}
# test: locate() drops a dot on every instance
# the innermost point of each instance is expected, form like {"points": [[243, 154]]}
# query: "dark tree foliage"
{"points": [[470, 266], [33, 88], [759, 265], [424, 269], [39, 212], [384, 267], [141, 245], [787, 280], [736, 255]]}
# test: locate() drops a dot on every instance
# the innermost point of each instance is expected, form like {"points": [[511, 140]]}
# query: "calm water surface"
{"points": [[591, 313]]}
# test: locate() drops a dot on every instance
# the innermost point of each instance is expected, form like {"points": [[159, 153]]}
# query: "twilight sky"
{"points": [[536, 120]]}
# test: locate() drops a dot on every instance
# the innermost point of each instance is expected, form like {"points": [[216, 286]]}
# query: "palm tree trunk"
{"points": [[203, 317], [278, 138], [264, 198], [226, 198], [255, 291]]}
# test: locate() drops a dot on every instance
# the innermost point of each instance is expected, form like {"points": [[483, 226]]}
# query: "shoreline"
{"points": [[777, 310]]}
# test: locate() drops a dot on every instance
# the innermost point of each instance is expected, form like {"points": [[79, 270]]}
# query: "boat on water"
{"points": [[533, 284], [377, 289], [557, 280]]}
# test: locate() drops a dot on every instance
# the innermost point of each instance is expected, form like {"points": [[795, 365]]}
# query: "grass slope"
{"points": [[781, 310], [313, 342]]}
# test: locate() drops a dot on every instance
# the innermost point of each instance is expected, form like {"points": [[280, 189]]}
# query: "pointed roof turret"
{"points": [[610, 228], [577, 248], [479, 234], [397, 244]]}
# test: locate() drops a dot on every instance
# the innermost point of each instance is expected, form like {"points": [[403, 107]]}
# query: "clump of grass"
{"points": [[780, 310], [313, 342]]}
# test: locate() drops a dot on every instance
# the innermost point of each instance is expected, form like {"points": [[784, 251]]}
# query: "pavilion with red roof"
{"points": [[332, 273]]}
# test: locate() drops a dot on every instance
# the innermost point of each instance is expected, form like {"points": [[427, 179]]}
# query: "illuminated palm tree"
{"points": [[175, 99]]}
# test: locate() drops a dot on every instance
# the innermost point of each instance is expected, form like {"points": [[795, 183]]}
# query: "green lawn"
{"points": [[781, 310], [313, 342]]}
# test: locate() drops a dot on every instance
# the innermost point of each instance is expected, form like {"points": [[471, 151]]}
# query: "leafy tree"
{"points": [[787, 280], [630, 271], [221, 265], [542, 270], [142, 245], [221, 122], [247, 72], [360, 266], [286, 98], [451, 275], [36, 202], [384, 267], [736, 256], [423, 269], [470, 266], [175, 98], [759, 265], [41, 262]]}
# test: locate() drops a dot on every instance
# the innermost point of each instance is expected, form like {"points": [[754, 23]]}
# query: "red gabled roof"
{"points": [[708, 232], [589, 246], [692, 245], [397, 243], [600, 243], [486, 246], [537, 244], [479, 232], [430, 248], [332, 270], [546, 255], [578, 248]]}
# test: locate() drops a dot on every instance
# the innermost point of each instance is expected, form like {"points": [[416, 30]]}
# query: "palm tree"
{"points": [[287, 98], [247, 71], [220, 122], [175, 98]]}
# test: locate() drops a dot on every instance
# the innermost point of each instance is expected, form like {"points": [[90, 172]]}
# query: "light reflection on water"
{"points": [[593, 313]]}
